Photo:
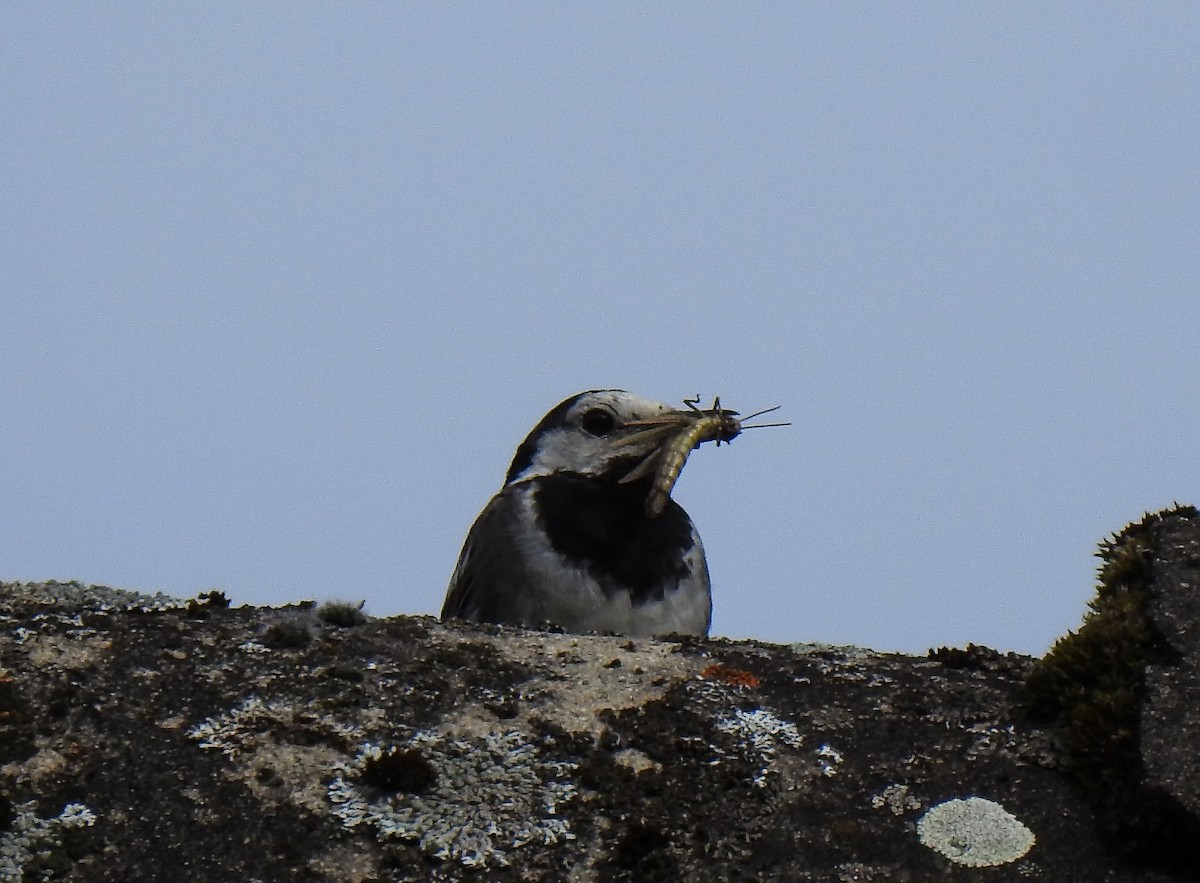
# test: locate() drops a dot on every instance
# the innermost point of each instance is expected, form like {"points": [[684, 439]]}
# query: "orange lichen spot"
{"points": [[734, 677]]}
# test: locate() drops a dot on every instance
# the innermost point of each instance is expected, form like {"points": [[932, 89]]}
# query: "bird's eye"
{"points": [[598, 422]]}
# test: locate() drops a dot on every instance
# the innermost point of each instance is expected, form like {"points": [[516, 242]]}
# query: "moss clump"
{"points": [[342, 613], [1091, 684], [288, 633], [214, 599], [973, 656]]}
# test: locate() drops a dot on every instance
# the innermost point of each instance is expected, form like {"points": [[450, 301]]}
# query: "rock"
{"points": [[1170, 718], [145, 738], [1122, 696]]}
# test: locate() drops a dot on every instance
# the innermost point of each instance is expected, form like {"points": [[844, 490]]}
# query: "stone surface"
{"points": [[145, 739], [1171, 711]]}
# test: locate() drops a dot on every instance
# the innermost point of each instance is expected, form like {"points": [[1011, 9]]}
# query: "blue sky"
{"points": [[283, 285]]}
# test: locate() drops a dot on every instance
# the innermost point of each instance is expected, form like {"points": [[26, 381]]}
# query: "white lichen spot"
{"points": [[29, 836], [991, 739], [223, 731], [485, 796], [76, 815], [760, 729], [975, 832], [828, 758], [896, 799], [760, 732]]}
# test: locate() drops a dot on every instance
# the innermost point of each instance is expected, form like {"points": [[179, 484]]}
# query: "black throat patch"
{"points": [[601, 527]]}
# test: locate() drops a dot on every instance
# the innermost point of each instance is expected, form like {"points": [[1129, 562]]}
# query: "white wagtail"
{"points": [[570, 539]]}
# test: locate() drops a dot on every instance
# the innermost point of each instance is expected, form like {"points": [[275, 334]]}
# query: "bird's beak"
{"points": [[671, 423], [656, 429], [677, 432]]}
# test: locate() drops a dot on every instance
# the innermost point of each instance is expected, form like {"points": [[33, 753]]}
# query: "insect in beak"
{"points": [[683, 432]]}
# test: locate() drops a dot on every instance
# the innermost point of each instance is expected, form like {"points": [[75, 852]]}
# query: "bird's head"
{"points": [[602, 433]]}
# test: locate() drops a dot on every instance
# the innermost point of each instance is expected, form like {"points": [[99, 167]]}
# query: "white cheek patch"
{"points": [[564, 447], [566, 450]]}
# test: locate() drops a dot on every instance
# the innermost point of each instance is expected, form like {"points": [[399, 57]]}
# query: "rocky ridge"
{"points": [[146, 738]]}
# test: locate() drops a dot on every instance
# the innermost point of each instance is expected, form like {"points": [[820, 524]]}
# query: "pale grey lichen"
{"points": [[30, 837], [254, 720], [229, 731], [74, 594], [69, 624], [992, 739], [486, 796], [760, 732], [975, 832], [896, 799], [829, 759], [760, 729]]}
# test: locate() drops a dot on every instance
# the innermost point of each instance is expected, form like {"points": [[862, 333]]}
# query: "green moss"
{"points": [[1090, 685], [214, 599], [287, 633], [342, 613]]}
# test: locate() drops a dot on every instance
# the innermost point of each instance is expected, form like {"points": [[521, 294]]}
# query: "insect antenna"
{"points": [[759, 414], [763, 411]]}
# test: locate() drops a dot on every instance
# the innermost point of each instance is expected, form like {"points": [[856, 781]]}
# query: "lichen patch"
{"points": [[66, 652], [576, 677], [638, 761], [471, 800], [30, 838], [760, 733], [896, 799], [254, 722], [45, 764], [294, 773], [975, 832]]}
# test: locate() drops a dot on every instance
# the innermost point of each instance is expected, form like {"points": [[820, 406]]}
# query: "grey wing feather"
{"points": [[490, 581]]}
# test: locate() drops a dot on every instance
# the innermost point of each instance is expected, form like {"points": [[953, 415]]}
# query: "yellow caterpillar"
{"points": [[715, 424]]}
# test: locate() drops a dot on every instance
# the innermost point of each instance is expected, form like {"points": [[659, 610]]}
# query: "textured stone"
{"points": [[146, 739], [1171, 711]]}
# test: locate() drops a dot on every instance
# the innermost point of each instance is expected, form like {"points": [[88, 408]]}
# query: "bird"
{"points": [[569, 540]]}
